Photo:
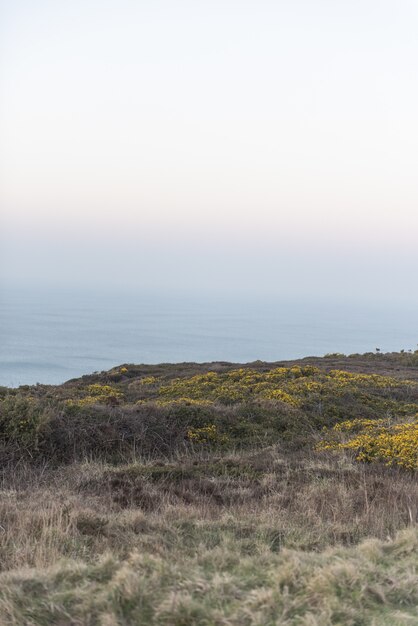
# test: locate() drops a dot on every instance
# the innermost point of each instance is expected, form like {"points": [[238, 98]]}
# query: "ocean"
{"points": [[49, 336]]}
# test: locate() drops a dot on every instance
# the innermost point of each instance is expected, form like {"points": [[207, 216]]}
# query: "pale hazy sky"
{"points": [[248, 145]]}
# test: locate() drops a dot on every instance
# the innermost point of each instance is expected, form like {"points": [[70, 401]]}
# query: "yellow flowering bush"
{"points": [[96, 394], [206, 434], [21, 418], [238, 385], [297, 386], [376, 440], [184, 401], [279, 394], [147, 380], [359, 425], [177, 402], [344, 378]]}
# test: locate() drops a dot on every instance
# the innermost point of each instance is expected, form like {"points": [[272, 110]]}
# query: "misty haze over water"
{"points": [[50, 336]]}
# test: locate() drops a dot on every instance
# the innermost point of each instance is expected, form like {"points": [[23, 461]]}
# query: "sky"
{"points": [[232, 146]]}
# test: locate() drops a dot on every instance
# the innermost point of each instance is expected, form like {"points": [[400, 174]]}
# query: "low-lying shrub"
{"points": [[376, 440]]}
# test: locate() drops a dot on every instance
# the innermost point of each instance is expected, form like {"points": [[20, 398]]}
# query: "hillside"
{"points": [[213, 494]]}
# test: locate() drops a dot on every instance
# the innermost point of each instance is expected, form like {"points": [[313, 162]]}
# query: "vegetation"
{"points": [[213, 494], [376, 440]]}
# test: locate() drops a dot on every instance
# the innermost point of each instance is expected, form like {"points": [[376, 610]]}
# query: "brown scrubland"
{"points": [[199, 494]]}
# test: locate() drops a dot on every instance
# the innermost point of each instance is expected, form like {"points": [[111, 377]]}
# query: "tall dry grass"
{"points": [[309, 502]]}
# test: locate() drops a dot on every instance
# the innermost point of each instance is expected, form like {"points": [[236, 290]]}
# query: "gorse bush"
{"points": [[238, 385], [298, 386], [376, 440], [21, 419], [96, 394], [206, 434]]}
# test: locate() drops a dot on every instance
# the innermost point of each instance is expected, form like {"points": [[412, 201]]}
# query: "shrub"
{"points": [[206, 434], [21, 418], [376, 440]]}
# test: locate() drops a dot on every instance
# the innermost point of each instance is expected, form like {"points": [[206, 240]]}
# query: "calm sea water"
{"points": [[49, 337]]}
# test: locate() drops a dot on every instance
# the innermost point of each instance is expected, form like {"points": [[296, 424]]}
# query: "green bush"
{"points": [[21, 419]]}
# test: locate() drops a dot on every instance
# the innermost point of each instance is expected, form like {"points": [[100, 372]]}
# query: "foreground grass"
{"points": [[373, 583], [251, 537]]}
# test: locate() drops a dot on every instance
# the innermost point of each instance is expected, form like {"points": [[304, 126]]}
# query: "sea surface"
{"points": [[52, 336]]}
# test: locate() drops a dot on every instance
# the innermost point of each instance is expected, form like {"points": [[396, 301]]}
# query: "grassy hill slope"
{"points": [[280, 493]]}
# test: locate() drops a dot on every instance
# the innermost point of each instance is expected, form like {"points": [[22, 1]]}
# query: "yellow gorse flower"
{"points": [[376, 440], [291, 385], [96, 394], [206, 434]]}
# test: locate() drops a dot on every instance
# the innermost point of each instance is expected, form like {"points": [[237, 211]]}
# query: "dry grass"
{"points": [[374, 583], [239, 538]]}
